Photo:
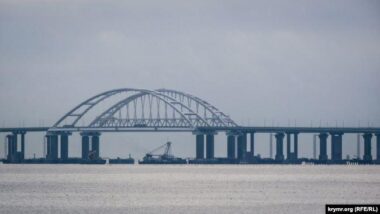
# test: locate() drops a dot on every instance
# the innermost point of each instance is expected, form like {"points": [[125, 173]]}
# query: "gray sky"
{"points": [[273, 61]]}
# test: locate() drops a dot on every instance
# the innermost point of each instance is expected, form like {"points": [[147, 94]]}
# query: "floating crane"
{"points": [[166, 157]]}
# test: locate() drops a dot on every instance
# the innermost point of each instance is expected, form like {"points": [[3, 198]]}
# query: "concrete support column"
{"points": [[336, 146], [323, 146], [288, 145], [252, 144], [231, 142], [22, 145], [10, 147], [295, 152], [279, 146], [314, 147], [64, 146], [14, 155], [52, 146], [210, 146], [48, 145], [14, 146], [378, 146], [358, 147], [271, 145], [85, 146], [367, 147], [95, 146], [200, 146], [242, 146]]}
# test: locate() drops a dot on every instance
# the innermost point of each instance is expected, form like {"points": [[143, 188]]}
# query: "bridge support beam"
{"points": [[336, 146], [241, 146], [279, 147], [323, 146], [252, 144], [231, 145], [64, 146], [210, 146], [199, 146], [367, 147]]}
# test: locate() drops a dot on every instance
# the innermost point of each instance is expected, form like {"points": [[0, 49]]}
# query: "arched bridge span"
{"points": [[142, 109]]}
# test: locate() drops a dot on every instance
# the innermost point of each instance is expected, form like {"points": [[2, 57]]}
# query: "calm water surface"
{"points": [[184, 189]]}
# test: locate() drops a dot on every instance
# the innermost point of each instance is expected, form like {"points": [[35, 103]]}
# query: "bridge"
{"points": [[164, 110]]}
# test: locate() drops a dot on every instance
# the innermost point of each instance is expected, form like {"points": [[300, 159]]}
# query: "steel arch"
{"points": [[219, 115], [107, 115], [175, 100], [89, 104]]}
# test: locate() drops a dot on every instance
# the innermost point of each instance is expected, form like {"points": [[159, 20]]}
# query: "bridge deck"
{"points": [[271, 129], [256, 129]]}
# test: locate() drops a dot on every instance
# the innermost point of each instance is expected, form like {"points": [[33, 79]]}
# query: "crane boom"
{"points": [[167, 150]]}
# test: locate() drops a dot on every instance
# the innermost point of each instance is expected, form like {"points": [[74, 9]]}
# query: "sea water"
{"points": [[184, 188]]}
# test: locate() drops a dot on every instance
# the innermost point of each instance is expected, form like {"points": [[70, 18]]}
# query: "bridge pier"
{"points": [[367, 147], [52, 146], [291, 156], [378, 147], [323, 146], [271, 145], [9, 146], [288, 147], [295, 146], [15, 146], [231, 145], [279, 147], [92, 154], [199, 146], [95, 150], [336, 146], [12, 147], [64, 146], [85, 146], [210, 146], [22, 155], [252, 144], [241, 146]]}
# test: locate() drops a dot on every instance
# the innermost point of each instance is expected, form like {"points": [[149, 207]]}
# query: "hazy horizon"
{"points": [[276, 63]]}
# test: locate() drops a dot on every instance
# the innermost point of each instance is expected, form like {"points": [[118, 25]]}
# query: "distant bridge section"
{"points": [[166, 110], [285, 129]]}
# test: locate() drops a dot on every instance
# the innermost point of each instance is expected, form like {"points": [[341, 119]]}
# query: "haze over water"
{"points": [[184, 189], [263, 63]]}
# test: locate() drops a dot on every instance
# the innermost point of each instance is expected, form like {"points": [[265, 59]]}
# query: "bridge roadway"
{"points": [[247, 129]]}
